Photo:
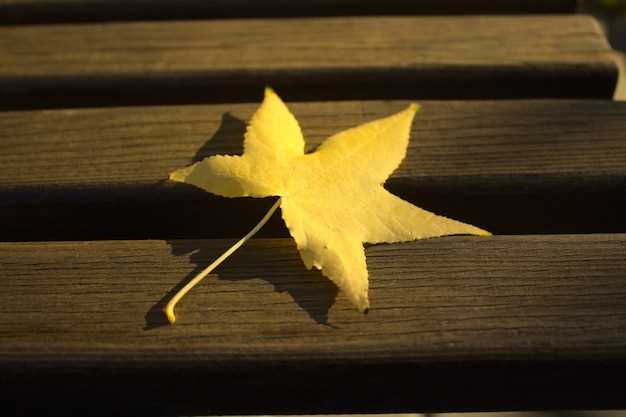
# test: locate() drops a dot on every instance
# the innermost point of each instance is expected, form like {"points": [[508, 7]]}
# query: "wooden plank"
{"points": [[456, 323], [508, 166], [47, 11], [307, 59]]}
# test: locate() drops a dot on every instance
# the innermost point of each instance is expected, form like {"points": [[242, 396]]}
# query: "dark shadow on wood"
{"points": [[229, 127], [418, 82], [64, 11], [309, 289]]}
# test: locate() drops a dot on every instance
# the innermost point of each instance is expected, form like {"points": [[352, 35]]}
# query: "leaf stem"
{"points": [[169, 308]]}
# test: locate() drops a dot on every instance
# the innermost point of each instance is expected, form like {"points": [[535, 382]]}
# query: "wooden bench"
{"points": [[98, 107]]}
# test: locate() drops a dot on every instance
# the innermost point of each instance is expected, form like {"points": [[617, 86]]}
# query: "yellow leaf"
{"points": [[333, 199]]}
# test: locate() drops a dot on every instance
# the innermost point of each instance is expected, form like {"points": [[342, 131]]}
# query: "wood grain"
{"points": [[509, 166], [510, 314], [50, 11], [307, 58]]}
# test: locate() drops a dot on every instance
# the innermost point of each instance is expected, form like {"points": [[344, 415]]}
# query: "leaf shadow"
{"points": [[309, 289], [228, 138]]}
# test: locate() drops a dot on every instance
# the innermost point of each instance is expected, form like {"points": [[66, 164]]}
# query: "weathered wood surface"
{"points": [[456, 323], [47, 11], [307, 58], [509, 166]]}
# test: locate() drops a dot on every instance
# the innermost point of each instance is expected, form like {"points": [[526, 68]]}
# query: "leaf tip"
{"points": [[363, 304], [477, 231], [414, 107], [269, 91], [180, 174]]}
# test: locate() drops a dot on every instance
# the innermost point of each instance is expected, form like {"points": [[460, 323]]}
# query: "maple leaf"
{"points": [[333, 199]]}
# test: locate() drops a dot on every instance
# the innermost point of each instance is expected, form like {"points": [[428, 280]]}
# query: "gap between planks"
{"points": [[59, 11]]}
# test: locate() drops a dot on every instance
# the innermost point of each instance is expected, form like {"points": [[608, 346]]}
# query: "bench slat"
{"points": [[456, 323], [308, 58], [560, 166], [47, 11]]}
